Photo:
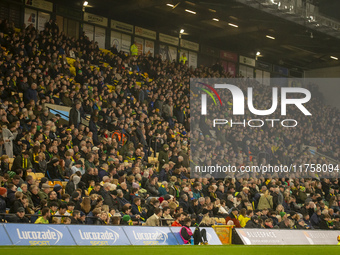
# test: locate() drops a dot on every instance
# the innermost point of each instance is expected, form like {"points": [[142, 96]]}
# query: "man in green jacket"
{"points": [[163, 157], [23, 161]]}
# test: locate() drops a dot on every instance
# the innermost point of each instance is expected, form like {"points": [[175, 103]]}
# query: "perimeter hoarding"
{"points": [[94, 235], [287, 237], [150, 236], [4, 239], [212, 237], [39, 234]]}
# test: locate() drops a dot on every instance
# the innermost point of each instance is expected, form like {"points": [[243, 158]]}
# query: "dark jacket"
{"points": [[52, 172], [315, 220], [135, 211], [323, 223], [252, 224], [73, 118], [163, 158], [2, 206], [113, 203]]}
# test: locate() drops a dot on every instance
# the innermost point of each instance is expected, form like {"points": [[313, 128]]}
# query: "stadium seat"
{"points": [[58, 182], [32, 174], [39, 176]]}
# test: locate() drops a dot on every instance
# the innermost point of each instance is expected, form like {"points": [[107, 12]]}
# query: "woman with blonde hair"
{"points": [[207, 221], [42, 164], [85, 205]]}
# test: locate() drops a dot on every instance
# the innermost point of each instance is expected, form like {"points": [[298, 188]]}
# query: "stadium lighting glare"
{"points": [[232, 25], [170, 5], [85, 3], [181, 31], [335, 58], [270, 37], [214, 19], [258, 53], [190, 11]]}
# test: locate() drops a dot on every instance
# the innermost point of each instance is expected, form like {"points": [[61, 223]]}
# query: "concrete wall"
{"points": [[329, 72]]}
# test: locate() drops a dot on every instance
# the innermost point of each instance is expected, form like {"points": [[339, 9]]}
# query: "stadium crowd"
{"points": [[106, 165]]}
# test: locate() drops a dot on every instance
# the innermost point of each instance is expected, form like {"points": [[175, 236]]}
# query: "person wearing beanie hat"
{"points": [[3, 195], [75, 195], [52, 171], [3, 191], [125, 220], [205, 211], [58, 189], [42, 181]]}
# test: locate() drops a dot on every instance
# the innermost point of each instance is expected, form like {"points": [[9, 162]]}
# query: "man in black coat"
{"points": [[253, 223], [75, 116], [75, 219], [111, 200], [52, 171], [19, 217]]}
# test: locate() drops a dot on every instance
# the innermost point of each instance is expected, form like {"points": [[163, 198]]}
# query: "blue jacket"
{"points": [[31, 94], [102, 173]]}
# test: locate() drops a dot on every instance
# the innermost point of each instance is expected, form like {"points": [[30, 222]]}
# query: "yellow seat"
{"points": [[63, 184], [39, 176], [58, 182], [32, 174]]}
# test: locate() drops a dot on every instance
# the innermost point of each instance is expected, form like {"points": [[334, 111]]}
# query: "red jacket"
{"points": [[234, 219]]}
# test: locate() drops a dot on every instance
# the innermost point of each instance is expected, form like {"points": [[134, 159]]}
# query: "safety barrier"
{"points": [[47, 234], [287, 237]]}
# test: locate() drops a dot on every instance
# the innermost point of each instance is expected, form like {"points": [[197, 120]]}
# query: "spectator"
{"points": [[45, 215], [155, 219]]}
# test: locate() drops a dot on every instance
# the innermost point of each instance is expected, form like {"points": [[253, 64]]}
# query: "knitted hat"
{"points": [[75, 194], [57, 187], [2, 191], [126, 217], [205, 211]]}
